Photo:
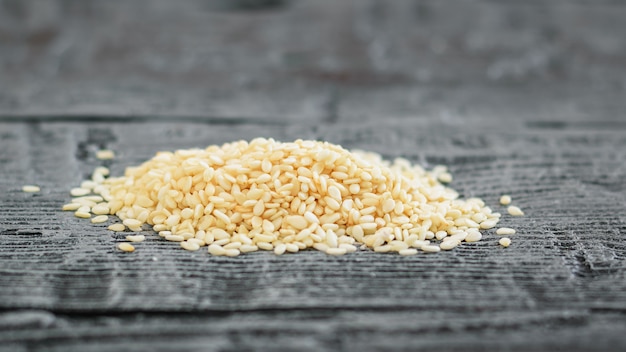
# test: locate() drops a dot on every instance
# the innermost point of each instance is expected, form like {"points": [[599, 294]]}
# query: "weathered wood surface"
{"points": [[525, 99]]}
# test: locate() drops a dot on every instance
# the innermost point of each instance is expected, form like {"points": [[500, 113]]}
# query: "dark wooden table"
{"points": [[525, 98]]}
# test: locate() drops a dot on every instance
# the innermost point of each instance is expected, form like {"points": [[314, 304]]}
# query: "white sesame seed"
{"points": [[430, 248], [505, 199], [132, 223], [448, 245], [126, 247], [78, 192], [30, 189], [215, 249], [99, 219], [336, 251], [505, 231], [190, 246], [231, 252], [117, 227], [100, 209], [71, 206], [515, 211], [505, 241], [473, 236], [175, 238], [135, 238], [408, 251], [105, 154], [82, 214]]}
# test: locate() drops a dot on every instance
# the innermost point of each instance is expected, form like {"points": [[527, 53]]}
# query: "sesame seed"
{"points": [[117, 227], [408, 252], [336, 251], [430, 248], [77, 192], [126, 247], [505, 199], [99, 219], [515, 211], [30, 189], [82, 214], [505, 242], [505, 231], [135, 238], [71, 206], [190, 246], [105, 154]]}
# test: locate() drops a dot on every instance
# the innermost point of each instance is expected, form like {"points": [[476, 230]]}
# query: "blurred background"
{"points": [[314, 60]]}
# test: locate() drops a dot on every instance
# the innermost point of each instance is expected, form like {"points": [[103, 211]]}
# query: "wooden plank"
{"points": [[566, 264]]}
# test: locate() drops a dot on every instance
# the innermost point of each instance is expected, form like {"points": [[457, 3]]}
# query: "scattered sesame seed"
{"points": [[515, 211], [30, 189], [505, 242], [126, 247], [505, 231], [105, 154], [136, 238], [505, 199]]}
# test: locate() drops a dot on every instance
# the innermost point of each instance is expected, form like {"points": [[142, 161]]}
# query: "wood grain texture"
{"points": [[524, 99]]}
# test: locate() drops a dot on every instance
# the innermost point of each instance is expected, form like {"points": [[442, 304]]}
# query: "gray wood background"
{"points": [[525, 98]]}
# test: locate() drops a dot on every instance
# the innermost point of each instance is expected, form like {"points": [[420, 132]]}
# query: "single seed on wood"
{"points": [[505, 199], [505, 241], [105, 154], [505, 231], [99, 219], [117, 227], [31, 189], [515, 211], [135, 238], [126, 247]]}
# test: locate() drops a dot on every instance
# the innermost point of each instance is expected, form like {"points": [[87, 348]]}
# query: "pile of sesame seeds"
{"points": [[286, 197]]}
